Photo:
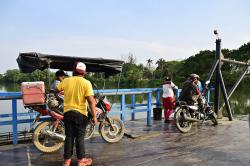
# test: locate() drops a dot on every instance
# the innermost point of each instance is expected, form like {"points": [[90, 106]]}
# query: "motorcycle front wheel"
{"points": [[213, 118], [181, 124], [112, 131], [45, 143]]}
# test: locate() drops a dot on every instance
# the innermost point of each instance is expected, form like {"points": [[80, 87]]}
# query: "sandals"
{"points": [[85, 162], [67, 162]]}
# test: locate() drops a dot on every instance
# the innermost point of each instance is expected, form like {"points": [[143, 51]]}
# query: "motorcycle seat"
{"points": [[178, 103], [58, 111]]}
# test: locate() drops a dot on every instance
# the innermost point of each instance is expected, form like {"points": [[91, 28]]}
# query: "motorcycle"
{"points": [[49, 135], [186, 115]]}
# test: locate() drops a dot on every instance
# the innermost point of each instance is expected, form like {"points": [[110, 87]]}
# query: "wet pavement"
{"points": [[160, 145]]}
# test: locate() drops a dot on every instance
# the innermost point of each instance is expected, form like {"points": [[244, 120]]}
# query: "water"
{"points": [[240, 101]]}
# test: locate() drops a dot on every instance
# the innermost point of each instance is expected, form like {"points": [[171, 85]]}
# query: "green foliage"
{"points": [[15, 76], [241, 54], [200, 64]]}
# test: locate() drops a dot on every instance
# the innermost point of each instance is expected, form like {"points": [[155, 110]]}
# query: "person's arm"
{"points": [[90, 98], [92, 107], [59, 87], [174, 86]]}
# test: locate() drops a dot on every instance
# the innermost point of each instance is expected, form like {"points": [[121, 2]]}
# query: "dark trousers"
{"points": [[75, 125]]}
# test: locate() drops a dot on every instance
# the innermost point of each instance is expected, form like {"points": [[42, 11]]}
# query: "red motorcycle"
{"points": [[49, 135]]}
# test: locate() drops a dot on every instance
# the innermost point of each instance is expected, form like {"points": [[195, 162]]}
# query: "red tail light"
{"points": [[42, 111], [107, 104]]}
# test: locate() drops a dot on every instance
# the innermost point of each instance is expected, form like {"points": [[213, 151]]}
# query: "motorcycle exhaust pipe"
{"points": [[191, 119], [54, 135]]}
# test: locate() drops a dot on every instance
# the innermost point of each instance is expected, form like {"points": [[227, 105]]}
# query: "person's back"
{"points": [[167, 89], [77, 91], [74, 97], [188, 92]]}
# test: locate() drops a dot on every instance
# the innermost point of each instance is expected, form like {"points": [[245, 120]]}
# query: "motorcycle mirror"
{"points": [[94, 85], [97, 95], [207, 82]]}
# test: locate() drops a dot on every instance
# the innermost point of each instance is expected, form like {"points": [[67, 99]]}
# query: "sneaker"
{"points": [[67, 162], [85, 162]]}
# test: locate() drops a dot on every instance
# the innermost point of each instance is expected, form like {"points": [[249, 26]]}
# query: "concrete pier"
{"points": [[159, 145]]}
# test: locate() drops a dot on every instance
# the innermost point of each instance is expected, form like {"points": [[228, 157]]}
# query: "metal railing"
{"points": [[124, 107]]}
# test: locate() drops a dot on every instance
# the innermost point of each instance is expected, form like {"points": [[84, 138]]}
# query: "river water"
{"points": [[240, 104]]}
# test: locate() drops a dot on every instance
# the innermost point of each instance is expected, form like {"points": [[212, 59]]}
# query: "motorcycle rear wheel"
{"points": [[90, 129], [109, 135], [44, 143], [181, 124]]}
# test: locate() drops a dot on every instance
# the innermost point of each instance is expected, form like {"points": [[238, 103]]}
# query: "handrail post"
{"points": [[14, 121], [158, 98], [149, 108], [133, 107], [123, 107], [177, 94], [208, 95]]}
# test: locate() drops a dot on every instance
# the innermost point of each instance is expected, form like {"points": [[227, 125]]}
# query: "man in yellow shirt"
{"points": [[76, 91]]}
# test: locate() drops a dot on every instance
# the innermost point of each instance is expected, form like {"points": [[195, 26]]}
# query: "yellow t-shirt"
{"points": [[76, 89]]}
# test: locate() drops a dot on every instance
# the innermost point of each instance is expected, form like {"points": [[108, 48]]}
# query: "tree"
{"points": [[12, 76], [200, 64], [131, 59], [1, 77], [149, 63], [160, 65]]}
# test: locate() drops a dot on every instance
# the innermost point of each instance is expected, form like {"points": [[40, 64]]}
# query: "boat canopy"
{"points": [[31, 61]]}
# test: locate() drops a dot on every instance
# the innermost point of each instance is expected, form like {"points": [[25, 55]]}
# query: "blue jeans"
{"points": [[75, 125]]}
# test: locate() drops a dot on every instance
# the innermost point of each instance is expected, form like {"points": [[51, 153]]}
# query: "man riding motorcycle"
{"points": [[190, 92]]}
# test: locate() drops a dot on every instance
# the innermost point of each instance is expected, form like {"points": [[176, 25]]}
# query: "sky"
{"points": [[172, 30]]}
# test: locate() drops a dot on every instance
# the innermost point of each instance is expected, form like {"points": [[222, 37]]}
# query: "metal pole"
{"points": [[212, 70], [149, 107], [123, 107], [217, 82], [14, 121], [235, 62], [208, 95], [223, 88], [48, 75], [133, 107], [158, 98]]}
